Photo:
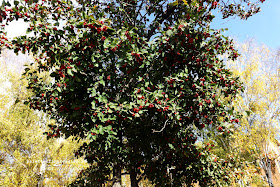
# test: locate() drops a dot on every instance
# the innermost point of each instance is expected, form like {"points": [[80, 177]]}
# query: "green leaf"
{"points": [[101, 130], [171, 146], [16, 3], [93, 58], [107, 43], [248, 112], [114, 42], [169, 32], [69, 72], [102, 82], [93, 105]]}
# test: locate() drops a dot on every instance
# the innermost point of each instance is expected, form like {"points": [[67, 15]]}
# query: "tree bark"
{"points": [[117, 174], [269, 173], [133, 180], [267, 169]]}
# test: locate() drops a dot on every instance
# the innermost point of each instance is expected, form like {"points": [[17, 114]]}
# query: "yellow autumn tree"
{"points": [[27, 158], [255, 136]]}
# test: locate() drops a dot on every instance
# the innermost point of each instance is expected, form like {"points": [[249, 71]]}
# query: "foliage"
{"points": [[145, 90], [255, 138], [27, 158]]}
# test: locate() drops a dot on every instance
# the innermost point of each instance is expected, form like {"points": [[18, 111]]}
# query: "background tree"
{"points": [[27, 158], [142, 90], [255, 141]]}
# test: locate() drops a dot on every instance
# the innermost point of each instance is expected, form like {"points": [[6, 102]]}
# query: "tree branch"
{"points": [[138, 12], [155, 131], [165, 15], [126, 173]]}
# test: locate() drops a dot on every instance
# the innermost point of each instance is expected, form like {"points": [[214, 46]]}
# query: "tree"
{"points": [[256, 138], [27, 158], [142, 90]]}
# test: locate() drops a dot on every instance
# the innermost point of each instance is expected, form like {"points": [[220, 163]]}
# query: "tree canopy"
{"points": [[141, 80]]}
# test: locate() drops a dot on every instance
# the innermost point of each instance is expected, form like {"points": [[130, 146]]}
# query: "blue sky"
{"points": [[264, 27]]}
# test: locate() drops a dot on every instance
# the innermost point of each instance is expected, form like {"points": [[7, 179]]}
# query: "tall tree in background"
{"points": [[27, 158], [139, 79], [255, 139]]}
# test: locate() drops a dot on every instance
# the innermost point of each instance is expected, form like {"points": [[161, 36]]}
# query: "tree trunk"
{"points": [[117, 174], [117, 170], [133, 180], [267, 169], [269, 173]]}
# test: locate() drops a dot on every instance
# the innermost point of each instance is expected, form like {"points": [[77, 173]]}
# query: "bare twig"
{"points": [[138, 12], [155, 131]]}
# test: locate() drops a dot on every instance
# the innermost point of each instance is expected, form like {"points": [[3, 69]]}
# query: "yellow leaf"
{"points": [[185, 2]]}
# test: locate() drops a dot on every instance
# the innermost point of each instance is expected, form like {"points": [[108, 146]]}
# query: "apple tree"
{"points": [[141, 80]]}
